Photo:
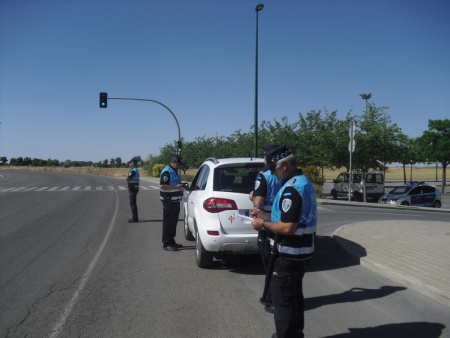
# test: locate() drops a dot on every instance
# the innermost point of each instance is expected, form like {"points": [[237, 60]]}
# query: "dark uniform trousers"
{"points": [[171, 211], [133, 190], [287, 297], [264, 247], [264, 250]]}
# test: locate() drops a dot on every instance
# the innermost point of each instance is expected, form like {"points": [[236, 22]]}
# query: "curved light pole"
{"points": [[255, 150], [160, 103]]}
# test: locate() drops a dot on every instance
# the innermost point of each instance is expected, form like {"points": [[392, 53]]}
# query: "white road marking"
{"points": [[84, 279]]}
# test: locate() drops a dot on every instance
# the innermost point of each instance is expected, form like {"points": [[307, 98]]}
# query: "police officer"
{"points": [[293, 221], [133, 179], [263, 195], [171, 193]]}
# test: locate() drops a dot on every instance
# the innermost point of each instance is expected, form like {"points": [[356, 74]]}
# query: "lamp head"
{"points": [[259, 7]]}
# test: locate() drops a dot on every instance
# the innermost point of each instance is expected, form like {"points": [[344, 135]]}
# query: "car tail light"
{"points": [[213, 232], [215, 205]]}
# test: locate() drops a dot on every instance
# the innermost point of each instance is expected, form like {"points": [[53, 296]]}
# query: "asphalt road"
{"points": [[72, 266]]}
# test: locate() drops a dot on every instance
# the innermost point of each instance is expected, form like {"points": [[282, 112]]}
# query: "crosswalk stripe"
{"points": [[75, 188]]}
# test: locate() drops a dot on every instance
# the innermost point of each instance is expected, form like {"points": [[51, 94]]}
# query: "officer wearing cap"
{"points": [[263, 195], [293, 221], [171, 193], [133, 179]]}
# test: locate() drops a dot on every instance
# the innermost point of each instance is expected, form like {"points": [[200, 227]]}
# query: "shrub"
{"points": [[156, 169]]}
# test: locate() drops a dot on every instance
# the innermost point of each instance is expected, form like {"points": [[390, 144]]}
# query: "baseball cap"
{"points": [[133, 160], [275, 154]]}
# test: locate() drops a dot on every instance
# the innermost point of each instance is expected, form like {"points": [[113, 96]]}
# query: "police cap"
{"points": [[177, 158], [274, 155]]}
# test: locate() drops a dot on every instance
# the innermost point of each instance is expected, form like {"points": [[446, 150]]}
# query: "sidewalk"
{"points": [[413, 253]]}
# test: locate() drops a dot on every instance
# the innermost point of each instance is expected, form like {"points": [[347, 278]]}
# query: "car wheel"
{"points": [[204, 258], [334, 194], [187, 232], [357, 196], [437, 204], [405, 203]]}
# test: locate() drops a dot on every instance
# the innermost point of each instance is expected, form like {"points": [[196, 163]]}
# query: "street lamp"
{"points": [[255, 150], [366, 97]]}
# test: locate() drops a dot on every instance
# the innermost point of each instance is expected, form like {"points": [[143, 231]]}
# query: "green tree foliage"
{"points": [[316, 179], [376, 138], [318, 139], [435, 143]]}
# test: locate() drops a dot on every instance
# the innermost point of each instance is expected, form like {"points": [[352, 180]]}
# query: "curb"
{"points": [[357, 255]]}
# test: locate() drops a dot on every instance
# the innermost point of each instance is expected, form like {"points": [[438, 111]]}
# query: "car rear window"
{"points": [[235, 179]]}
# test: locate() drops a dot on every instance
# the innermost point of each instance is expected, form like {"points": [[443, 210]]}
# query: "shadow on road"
{"points": [[327, 257], [350, 296], [410, 330]]}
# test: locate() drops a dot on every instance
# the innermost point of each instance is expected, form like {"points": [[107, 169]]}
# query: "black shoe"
{"points": [[269, 308], [133, 220], [179, 246], [170, 248]]}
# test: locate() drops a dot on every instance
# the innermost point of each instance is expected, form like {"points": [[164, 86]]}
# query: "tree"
{"points": [[376, 139], [435, 143], [118, 162], [408, 153]]}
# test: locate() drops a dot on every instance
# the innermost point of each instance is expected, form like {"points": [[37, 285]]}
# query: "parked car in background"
{"points": [[374, 185], [415, 193], [219, 193]]}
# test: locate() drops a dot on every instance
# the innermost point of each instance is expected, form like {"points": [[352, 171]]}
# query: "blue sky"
{"points": [[198, 58]]}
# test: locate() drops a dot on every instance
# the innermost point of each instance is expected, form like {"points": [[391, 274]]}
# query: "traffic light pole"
{"points": [[148, 100]]}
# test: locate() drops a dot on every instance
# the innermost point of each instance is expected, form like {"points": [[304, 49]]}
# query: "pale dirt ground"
{"points": [[393, 173]]}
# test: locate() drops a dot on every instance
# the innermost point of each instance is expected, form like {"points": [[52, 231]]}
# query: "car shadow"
{"points": [[327, 256]]}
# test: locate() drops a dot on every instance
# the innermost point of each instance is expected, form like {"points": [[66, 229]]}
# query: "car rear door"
{"points": [[374, 183], [232, 185], [428, 196]]}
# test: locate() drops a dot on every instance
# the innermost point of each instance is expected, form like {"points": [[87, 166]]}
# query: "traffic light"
{"points": [[180, 147], [103, 100]]}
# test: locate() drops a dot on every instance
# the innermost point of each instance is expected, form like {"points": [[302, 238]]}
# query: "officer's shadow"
{"points": [[352, 295]]}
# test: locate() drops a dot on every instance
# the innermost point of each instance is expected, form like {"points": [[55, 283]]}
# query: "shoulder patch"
{"points": [[165, 178], [286, 204], [257, 184]]}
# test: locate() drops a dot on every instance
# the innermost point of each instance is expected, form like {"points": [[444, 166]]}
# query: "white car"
{"points": [[214, 205]]}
